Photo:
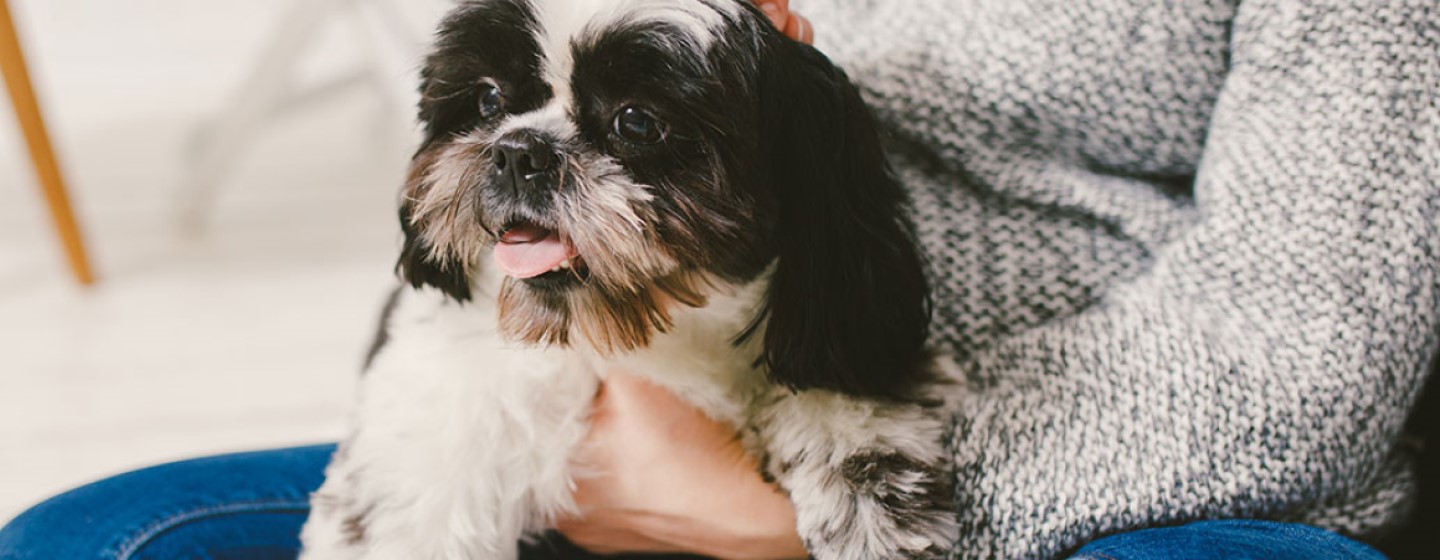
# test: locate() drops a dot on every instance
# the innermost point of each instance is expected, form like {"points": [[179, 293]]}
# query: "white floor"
{"points": [[246, 336]]}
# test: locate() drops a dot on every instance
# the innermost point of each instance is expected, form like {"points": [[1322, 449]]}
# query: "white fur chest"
{"points": [[700, 359], [455, 424]]}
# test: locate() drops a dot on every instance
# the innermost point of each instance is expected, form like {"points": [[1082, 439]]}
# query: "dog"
{"points": [[672, 188]]}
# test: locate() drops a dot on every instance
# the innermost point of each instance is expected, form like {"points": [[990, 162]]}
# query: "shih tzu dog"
{"points": [[674, 189]]}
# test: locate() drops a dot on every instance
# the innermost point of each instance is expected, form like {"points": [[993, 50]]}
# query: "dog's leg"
{"points": [[336, 527], [868, 479], [462, 446]]}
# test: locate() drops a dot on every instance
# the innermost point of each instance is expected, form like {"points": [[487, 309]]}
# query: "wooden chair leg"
{"points": [[27, 113]]}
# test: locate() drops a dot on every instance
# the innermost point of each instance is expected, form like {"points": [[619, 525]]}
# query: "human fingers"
{"points": [[792, 24], [777, 10], [799, 29], [605, 536], [642, 435]]}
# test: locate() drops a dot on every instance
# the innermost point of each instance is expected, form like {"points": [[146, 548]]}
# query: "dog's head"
{"points": [[616, 158]]}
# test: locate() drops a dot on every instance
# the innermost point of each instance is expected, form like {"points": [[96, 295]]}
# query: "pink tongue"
{"points": [[529, 251]]}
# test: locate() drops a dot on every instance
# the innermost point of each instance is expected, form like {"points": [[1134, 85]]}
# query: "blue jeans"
{"points": [[251, 505]]}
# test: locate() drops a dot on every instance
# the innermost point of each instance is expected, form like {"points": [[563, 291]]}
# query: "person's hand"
{"points": [[791, 23], [668, 479]]}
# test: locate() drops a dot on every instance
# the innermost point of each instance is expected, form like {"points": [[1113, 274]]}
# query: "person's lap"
{"points": [[252, 505], [244, 506], [247, 505], [1228, 540]]}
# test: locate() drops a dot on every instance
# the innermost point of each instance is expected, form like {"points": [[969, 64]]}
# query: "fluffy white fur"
{"points": [[462, 441]]}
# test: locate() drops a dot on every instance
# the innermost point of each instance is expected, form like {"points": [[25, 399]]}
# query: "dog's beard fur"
{"points": [[610, 321], [633, 280]]}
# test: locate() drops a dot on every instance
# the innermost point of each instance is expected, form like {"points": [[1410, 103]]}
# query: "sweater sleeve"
{"points": [[1263, 364]]}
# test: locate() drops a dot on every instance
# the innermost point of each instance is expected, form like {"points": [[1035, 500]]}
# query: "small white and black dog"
{"points": [[673, 188]]}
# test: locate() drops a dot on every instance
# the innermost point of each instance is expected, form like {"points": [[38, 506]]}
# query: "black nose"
{"points": [[525, 159]]}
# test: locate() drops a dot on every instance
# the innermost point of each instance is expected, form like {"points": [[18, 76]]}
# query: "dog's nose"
{"points": [[524, 159]]}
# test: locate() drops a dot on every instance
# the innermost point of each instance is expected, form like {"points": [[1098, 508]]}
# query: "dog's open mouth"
{"points": [[538, 255]]}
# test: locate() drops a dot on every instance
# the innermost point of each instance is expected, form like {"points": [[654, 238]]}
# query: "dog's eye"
{"points": [[491, 101], [639, 127]]}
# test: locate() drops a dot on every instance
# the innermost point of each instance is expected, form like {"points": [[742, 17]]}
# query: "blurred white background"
{"points": [[246, 335]]}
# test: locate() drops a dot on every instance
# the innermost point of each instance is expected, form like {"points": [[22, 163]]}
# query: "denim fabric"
{"points": [[245, 505], [250, 506], [1229, 540]]}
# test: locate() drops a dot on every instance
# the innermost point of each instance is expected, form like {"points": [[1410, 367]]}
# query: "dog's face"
{"points": [[616, 158]]}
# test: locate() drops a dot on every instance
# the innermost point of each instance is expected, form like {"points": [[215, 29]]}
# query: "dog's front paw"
{"points": [[869, 479], [874, 505]]}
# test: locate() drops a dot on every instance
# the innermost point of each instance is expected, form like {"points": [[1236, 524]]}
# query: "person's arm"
{"points": [[1264, 364]]}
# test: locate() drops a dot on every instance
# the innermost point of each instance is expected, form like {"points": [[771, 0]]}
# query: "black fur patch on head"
{"points": [[710, 207], [466, 58], [479, 43]]}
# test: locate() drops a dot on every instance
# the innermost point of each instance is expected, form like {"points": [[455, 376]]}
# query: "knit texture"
{"points": [[1188, 251]]}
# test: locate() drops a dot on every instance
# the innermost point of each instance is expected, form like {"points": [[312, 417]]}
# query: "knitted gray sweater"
{"points": [[1189, 250]]}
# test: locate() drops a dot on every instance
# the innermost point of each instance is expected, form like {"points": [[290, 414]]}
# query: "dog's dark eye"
{"points": [[491, 101], [639, 127]]}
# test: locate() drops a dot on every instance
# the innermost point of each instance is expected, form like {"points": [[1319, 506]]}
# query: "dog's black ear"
{"points": [[417, 265], [848, 308]]}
